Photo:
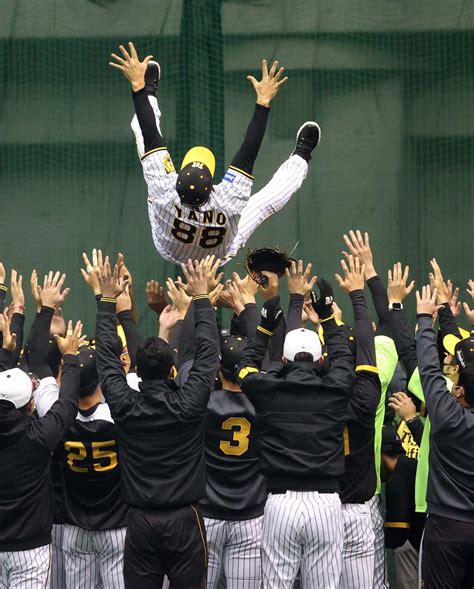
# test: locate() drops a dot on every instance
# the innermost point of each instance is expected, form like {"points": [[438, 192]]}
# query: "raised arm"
{"points": [[443, 409], [299, 285], [266, 89], [56, 422]]}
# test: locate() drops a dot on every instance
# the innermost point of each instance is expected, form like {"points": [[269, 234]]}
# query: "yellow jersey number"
{"points": [[104, 457], [240, 436]]}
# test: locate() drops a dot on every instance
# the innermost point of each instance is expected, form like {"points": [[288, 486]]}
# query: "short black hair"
{"points": [[466, 380], [154, 359], [230, 375], [303, 357]]}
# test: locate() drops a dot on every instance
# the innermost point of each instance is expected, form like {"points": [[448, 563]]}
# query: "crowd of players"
{"points": [[243, 457]]}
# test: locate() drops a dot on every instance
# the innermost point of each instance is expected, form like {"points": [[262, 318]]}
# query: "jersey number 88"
{"points": [[209, 236]]}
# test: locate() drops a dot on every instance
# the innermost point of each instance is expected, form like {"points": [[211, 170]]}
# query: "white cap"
{"points": [[16, 387], [302, 340]]}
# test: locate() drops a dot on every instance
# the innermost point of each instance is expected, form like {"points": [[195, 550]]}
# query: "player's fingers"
{"points": [[124, 52], [133, 51], [273, 69], [20, 281], [410, 287], [339, 279], [100, 260], [300, 266], [86, 259], [312, 282], [147, 59], [118, 59], [279, 74], [61, 281], [282, 81], [360, 241], [353, 238], [252, 80], [264, 68], [307, 271]]}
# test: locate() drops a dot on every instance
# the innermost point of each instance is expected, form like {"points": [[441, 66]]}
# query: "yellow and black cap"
{"points": [[89, 377], [194, 183], [231, 352]]}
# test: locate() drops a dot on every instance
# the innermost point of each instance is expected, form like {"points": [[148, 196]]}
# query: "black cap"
{"points": [[391, 441], [194, 185], [231, 351], [464, 354], [88, 370]]}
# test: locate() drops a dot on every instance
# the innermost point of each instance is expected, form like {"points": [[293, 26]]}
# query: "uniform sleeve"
{"points": [[443, 409], [46, 395], [245, 157], [405, 342], [295, 309], [194, 394], [132, 335], [50, 429], [415, 426], [380, 300], [112, 379]]}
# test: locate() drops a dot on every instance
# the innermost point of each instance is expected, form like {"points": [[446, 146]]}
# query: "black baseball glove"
{"points": [[266, 259]]}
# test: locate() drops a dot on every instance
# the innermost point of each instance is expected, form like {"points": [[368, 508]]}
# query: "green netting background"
{"points": [[391, 83]]}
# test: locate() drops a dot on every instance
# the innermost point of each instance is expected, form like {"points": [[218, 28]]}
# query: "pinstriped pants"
{"points": [[58, 572], [358, 549], [380, 572], [302, 529], [93, 559], [234, 552], [25, 569]]}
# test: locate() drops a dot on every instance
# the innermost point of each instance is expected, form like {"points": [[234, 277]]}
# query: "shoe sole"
{"points": [[309, 123]]}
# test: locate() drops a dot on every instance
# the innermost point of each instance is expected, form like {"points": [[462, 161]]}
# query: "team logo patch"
{"points": [[229, 177], [168, 164]]}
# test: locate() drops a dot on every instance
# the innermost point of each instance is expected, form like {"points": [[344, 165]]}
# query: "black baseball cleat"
{"points": [[307, 139], [152, 77]]}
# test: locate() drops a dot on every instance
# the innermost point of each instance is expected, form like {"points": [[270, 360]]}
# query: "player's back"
{"points": [[235, 488], [91, 472], [181, 232]]}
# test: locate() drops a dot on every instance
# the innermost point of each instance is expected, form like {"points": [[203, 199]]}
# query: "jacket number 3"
{"points": [[240, 436]]}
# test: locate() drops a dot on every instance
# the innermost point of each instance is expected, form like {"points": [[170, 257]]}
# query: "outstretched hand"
{"points": [[397, 288], [426, 301], [267, 88], [9, 338], [74, 338], [359, 246], [131, 66], [51, 295], [353, 275], [299, 281], [196, 278]]}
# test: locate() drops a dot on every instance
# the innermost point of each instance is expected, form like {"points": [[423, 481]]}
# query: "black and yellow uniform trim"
{"points": [[345, 440], [327, 319], [242, 172], [201, 296], [3, 287], [246, 371], [108, 300], [153, 151], [400, 525], [201, 533], [265, 331], [367, 368]]}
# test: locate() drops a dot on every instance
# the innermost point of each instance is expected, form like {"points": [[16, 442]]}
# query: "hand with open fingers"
{"points": [[426, 301], [9, 338], [36, 290], [402, 405], [397, 288], [299, 281], [470, 290], [210, 266], [169, 317], [453, 295], [131, 66], [469, 313], [124, 300], [2, 273], [196, 277], [155, 296], [111, 284], [437, 282], [70, 344], [178, 296], [58, 325], [267, 88], [124, 272], [16, 289], [271, 289], [246, 286], [90, 274], [230, 298], [215, 295], [354, 272], [51, 295], [359, 247]]}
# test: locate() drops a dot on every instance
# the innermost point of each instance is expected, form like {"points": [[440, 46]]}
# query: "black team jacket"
{"points": [[301, 412], [160, 427], [26, 444]]}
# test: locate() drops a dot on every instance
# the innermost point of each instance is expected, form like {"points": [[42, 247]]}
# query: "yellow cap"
{"points": [[450, 341], [121, 334], [202, 155]]}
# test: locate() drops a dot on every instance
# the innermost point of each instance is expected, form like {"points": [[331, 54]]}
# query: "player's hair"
{"points": [[303, 357], [154, 359], [230, 375], [88, 390], [466, 380]]}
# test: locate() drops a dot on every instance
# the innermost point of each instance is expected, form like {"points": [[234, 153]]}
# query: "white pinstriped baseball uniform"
{"points": [[358, 551], [25, 569], [302, 528], [224, 224]]}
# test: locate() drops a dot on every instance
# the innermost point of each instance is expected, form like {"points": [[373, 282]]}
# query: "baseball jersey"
{"points": [[180, 232], [235, 489], [91, 472]]}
